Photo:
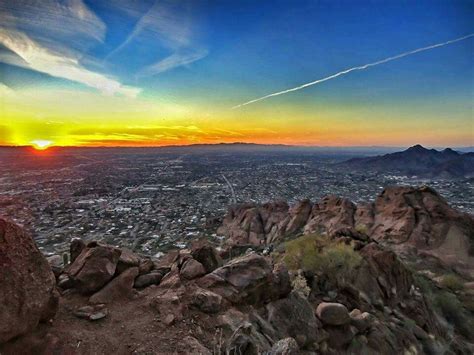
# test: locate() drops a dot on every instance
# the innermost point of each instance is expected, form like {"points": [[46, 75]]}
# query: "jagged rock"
{"points": [[416, 221], [127, 259], [246, 340], [27, 291], [294, 317], [247, 279], [299, 214], [331, 214], [94, 267], [76, 247], [287, 346], [206, 255], [146, 280], [146, 266], [206, 301], [281, 280], [192, 269], [120, 288], [333, 313]]}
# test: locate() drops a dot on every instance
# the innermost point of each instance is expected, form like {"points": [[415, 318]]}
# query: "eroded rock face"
{"points": [[93, 268], [247, 279], [27, 283]]}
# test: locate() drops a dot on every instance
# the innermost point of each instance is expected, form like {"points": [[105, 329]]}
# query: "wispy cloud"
{"points": [[176, 59], [51, 36], [67, 66], [170, 27]]}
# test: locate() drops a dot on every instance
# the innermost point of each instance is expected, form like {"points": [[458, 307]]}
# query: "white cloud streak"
{"points": [[36, 57], [347, 71], [50, 36]]}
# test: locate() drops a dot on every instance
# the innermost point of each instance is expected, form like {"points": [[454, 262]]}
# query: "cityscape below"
{"points": [[152, 200]]}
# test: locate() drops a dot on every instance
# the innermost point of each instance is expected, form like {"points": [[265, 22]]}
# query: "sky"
{"points": [[152, 73]]}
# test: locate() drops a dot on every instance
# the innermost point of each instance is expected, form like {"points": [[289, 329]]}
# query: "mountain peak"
{"points": [[417, 148]]}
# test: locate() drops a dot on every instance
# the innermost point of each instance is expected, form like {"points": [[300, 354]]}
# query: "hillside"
{"points": [[350, 284]]}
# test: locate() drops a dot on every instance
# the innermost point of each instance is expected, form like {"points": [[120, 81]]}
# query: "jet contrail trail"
{"points": [[347, 71]]}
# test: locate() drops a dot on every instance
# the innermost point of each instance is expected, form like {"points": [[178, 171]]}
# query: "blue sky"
{"points": [[212, 55]]}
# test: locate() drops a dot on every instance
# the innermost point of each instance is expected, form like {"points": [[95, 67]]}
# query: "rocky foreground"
{"points": [[342, 288]]}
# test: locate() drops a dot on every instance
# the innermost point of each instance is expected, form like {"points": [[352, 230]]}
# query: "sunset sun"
{"points": [[41, 144]]}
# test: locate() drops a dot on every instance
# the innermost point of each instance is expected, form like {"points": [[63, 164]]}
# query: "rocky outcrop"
{"points": [[248, 279], [93, 268], [412, 221], [27, 283]]}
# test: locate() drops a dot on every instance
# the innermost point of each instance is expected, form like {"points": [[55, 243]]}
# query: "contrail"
{"points": [[347, 71]]}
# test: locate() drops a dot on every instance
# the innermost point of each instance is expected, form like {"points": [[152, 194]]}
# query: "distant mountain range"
{"points": [[420, 161]]}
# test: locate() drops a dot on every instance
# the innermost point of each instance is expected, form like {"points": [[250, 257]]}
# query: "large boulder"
{"points": [[27, 283], [120, 288], [247, 279], [294, 317], [93, 268]]}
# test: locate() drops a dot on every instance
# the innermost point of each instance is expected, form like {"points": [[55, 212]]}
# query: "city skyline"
{"points": [[153, 73]]}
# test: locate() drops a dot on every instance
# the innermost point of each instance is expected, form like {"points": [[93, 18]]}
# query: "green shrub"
{"points": [[362, 228], [321, 256], [452, 282]]}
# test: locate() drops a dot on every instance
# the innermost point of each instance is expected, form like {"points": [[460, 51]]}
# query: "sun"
{"points": [[41, 144]]}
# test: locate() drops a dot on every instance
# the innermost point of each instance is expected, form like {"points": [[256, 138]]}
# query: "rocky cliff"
{"points": [[412, 221]]}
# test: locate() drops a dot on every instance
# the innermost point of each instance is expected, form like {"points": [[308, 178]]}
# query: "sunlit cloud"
{"points": [[53, 22], [35, 57], [50, 37]]}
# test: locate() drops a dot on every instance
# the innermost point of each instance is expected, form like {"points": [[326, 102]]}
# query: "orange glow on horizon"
{"points": [[41, 144]]}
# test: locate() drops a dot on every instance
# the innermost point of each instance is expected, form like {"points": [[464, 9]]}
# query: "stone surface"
{"points": [[206, 301], [192, 269], [120, 288], [287, 346], [76, 247], [93, 268], [294, 317], [247, 279], [27, 284], [146, 280], [333, 313], [205, 254]]}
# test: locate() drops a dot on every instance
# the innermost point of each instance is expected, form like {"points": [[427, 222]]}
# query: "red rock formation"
{"points": [[27, 284]]}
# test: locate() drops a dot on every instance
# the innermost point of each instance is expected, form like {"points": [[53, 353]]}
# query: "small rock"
{"points": [[192, 269], [91, 313], [333, 313], [287, 346], [362, 321], [147, 280], [207, 301], [169, 319]]}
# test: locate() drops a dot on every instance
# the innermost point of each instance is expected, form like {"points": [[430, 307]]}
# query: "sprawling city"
{"points": [[155, 199]]}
